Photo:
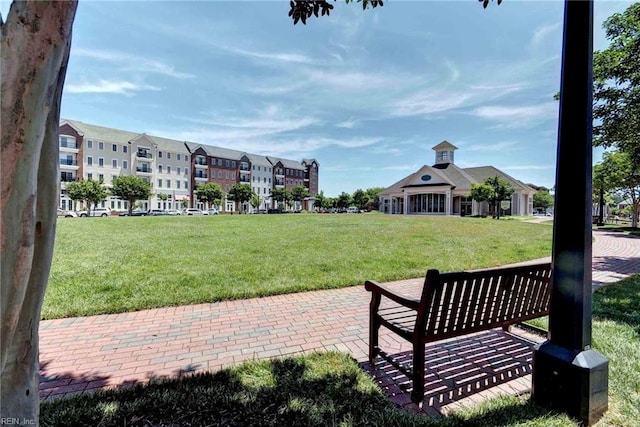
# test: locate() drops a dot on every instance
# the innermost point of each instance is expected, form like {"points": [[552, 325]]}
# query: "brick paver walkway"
{"points": [[88, 353]]}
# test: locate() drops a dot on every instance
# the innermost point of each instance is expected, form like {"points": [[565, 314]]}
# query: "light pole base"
{"points": [[574, 382]]}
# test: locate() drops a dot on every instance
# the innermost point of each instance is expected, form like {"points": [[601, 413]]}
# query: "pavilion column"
{"points": [[567, 374]]}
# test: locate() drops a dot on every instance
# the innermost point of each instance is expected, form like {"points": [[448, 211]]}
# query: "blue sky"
{"points": [[365, 93]]}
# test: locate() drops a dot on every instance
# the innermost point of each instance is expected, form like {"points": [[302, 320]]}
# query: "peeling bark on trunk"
{"points": [[35, 43]]}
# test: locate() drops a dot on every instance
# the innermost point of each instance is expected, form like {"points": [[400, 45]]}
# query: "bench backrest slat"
{"points": [[460, 302]]}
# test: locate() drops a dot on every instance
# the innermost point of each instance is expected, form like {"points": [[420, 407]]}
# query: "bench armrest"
{"points": [[377, 288]]}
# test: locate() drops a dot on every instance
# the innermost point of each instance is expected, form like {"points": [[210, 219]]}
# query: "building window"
{"points": [[168, 168], [159, 183], [113, 177], [114, 147], [226, 163], [114, 163], [177, 184], [442, 155], [168, 156], [100, 161], [101, 177], [100, 145], [186, 185], [159, 154], [186, 158], [125, 164], [124, 148], [219, 174], [89, 143], [219, 162], [89, 176], [89, 161], [233, 164], [178, 170], [159, 168], [226, 175], [265, 179], [178, 156], [168, 183]]}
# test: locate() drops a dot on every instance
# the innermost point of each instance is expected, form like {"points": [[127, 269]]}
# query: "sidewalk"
{"points": [[88, 353]]}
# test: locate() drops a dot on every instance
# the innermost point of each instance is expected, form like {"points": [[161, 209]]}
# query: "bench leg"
{"points": [[417, 395], [374, 327]]}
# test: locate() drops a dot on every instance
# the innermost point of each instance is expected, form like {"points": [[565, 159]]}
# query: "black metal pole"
{"points": [[601, 202], [567, 374], [570, 319]]}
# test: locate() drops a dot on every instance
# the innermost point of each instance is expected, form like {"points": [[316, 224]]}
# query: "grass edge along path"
{"points": [[322, 389], [115, 265]]}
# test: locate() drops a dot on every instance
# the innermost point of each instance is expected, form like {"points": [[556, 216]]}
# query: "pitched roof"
{"points": [[444, 145], [436, 177], [483, 172], [101, 132], [460, 178], [258, 159], [291, 164], [224, 153]]}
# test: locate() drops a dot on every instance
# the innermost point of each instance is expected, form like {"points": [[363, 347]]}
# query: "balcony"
{"points": [[68, 162], [243, 179], [140, 169], [200, 176], [143, 154], [69, 146], [245, 171]]}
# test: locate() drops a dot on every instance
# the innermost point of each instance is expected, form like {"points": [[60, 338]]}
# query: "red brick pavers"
{"points": [[88, 353]]}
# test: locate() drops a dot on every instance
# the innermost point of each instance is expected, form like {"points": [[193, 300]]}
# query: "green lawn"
{"points": [[119, 264], [329, 389]]}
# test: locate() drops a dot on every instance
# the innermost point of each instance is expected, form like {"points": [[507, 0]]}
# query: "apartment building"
{"points": [[173, 168]]}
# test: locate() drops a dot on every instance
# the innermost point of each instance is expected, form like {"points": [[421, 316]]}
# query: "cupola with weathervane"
{"points": [[444, 153]]}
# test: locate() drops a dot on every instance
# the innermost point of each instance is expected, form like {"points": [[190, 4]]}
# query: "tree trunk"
{"points": [[35, 44]]}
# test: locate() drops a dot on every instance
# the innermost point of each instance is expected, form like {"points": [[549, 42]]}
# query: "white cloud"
{"points": [[132, 62], [495, 147], [540, 33], [529, 167], [273, 56], [107, 86], [348, 124], [428, 102], [517, 116]]}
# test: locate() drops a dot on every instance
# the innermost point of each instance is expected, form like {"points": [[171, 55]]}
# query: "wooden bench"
{"points": [[454, 304]]}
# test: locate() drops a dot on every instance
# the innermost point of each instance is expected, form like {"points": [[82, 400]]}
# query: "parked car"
{"points": [[212, 211], [172, 212], [66, 214], [135, 212], [156, 212], [262, 211], [103, 212], [353, 209], [192, 211]]}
